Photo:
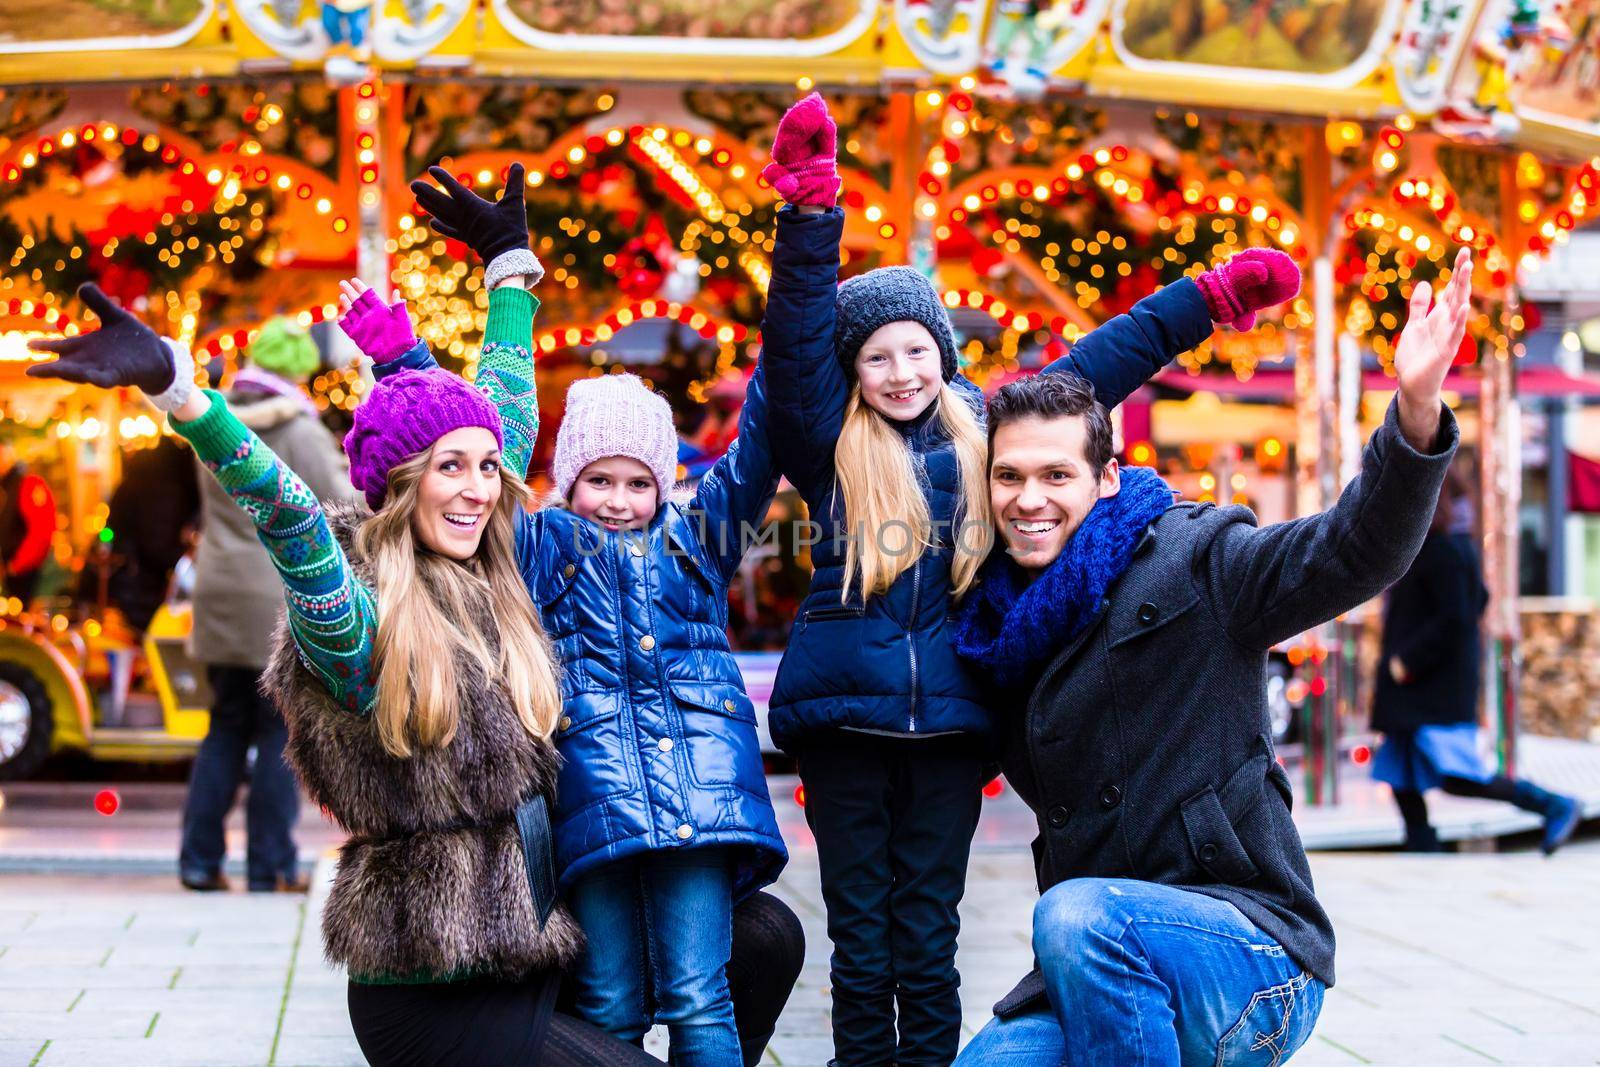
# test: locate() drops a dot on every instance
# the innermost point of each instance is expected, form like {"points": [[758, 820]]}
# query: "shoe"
{"points": [[297, 883], [1561, 818], [215, 882]]}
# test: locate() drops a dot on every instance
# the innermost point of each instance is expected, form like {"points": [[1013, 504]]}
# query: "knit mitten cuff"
{"points": [[1221, 300], [177, 394], [518, 261], [813, 181]]}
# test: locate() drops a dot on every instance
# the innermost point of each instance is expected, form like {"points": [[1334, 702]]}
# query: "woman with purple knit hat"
{"points": [[664, 830], [422, 698]]}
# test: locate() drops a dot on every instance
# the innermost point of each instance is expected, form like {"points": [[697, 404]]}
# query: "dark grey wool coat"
{"points": [[1144, 748], [433, 884]]}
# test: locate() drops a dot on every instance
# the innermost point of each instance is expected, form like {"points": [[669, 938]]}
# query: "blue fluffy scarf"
{"points": [[1012, 627]]}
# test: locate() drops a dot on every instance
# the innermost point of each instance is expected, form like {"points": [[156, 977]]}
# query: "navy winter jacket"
{"points": [[657, 736], [889, 666]]}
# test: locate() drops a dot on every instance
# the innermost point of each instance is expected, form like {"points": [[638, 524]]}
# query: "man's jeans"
{"points": [[660, 932], [1144, 974], [241, 717]]}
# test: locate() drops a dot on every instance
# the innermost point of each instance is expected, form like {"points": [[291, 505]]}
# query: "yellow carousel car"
{"points": [[98, 688]]}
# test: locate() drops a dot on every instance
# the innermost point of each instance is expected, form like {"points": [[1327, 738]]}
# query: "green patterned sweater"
{"points": [[332, 614]]}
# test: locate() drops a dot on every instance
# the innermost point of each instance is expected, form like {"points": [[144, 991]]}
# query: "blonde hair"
{"points": [[422, 595], [882, 489]]}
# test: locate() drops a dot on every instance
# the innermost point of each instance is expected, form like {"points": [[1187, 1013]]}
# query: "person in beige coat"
{"points": [[237, 601]]}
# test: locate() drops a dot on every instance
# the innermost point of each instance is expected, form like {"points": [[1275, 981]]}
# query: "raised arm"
{"points": [[735, 493], [1272, 583], [1122, 354], [331, 614], [505, 366], [497, 231], [807, 390]]}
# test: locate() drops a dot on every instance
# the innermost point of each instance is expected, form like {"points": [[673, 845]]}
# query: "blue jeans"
{"points": [[1144, 974], [241, 717], [660, 931]]}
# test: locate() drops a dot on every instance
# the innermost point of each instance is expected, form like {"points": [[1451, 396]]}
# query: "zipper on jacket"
{"points": [[911, 637]]}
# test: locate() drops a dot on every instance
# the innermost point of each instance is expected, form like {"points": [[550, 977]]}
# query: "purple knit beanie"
{"points": [[405, 415]]}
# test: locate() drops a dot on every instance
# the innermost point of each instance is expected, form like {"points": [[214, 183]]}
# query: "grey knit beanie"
{"points": [[890, 294]]}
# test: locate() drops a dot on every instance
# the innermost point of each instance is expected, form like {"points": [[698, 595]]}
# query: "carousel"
{"points": [[215, 163]]}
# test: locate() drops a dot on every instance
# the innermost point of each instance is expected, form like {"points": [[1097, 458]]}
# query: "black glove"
{"points": [[123, 351], [489, 229]]}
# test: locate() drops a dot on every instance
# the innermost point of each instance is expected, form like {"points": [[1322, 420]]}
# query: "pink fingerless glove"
{"points": [[382, 331], [1254, 279], [804, 167]]}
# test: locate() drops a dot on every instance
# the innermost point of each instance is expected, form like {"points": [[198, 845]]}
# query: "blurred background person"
{"points": [[237, 601], [153, 515], [27, 523], [1426, 701]]}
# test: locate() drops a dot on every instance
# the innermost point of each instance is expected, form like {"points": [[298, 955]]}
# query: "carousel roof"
{"points": [[1495, 71]]}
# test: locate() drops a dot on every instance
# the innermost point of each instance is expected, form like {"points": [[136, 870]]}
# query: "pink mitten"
{"points": [[1254, 279], [804, 168], [382, 331]]}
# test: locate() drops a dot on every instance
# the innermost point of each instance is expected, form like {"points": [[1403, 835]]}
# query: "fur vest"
{"points": [[434, 882]]}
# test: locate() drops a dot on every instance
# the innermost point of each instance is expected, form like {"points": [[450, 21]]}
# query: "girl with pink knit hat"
{"points": [[663, 824]]}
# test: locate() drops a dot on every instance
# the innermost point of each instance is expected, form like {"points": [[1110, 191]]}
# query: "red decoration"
{"points": [[1583, 476], [106, 802]]}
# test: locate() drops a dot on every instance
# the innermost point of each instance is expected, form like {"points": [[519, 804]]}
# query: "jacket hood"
{"points": [[260, 411]]}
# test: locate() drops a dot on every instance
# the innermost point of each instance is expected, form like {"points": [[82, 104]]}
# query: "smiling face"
{"points": [[899, 370], [457, 491], [1042, 486], [617, 492]]}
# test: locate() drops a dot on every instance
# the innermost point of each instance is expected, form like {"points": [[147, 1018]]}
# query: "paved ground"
{"points": [[1465, 959]]}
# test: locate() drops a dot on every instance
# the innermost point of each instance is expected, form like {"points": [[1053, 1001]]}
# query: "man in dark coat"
{"points": [[1426, 703], [1178, 922]]}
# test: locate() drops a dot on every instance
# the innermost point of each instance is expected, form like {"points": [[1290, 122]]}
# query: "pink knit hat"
{"points": [[615, 415], [404, 415]]}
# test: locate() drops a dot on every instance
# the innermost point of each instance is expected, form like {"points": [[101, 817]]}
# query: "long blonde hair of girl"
{"points": [[423, 596], [886, 508]]}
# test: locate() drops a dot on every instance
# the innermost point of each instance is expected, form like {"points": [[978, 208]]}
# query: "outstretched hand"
{"points": [[489, 228], [1427, 347], [123, 351], [382, 331], [804, 168]]}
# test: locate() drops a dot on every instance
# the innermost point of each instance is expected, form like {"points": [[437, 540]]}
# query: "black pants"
{"points": [[478, 1024], [241, 717], [1420, 835], [894, 820], [469, 1024]]}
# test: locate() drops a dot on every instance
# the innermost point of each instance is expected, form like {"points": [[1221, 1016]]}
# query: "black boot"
{"points": [[1562, 814], [1420, 834]]}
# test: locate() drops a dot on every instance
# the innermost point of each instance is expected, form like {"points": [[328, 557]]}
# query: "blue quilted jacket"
{"points": [[889, 665], [657, 736]]}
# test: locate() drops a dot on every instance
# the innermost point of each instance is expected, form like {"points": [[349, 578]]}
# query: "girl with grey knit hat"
{"points": [[874, 424], [663, 825]]}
